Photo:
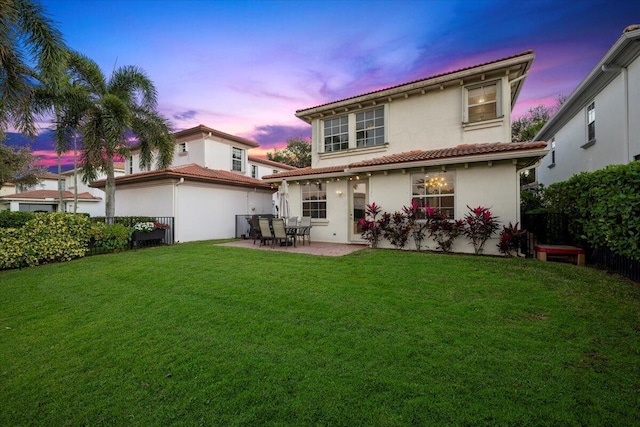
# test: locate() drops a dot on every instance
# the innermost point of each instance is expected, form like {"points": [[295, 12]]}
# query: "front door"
{"points": [[358, 190]]}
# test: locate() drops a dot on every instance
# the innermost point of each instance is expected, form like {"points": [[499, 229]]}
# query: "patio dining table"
{"points": [[295, 231]]}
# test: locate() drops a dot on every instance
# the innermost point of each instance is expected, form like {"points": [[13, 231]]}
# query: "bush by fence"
{"points": [[603, 207]]}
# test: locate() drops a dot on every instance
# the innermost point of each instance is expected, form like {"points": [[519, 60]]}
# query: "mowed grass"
{"points": [[199, 334]]}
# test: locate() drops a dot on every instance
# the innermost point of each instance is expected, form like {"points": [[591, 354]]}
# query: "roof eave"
{"points": [[624, 51], [524, 61]]}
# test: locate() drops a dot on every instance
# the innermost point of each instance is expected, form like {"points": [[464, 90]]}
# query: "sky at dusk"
{"points": [[245, 67]]}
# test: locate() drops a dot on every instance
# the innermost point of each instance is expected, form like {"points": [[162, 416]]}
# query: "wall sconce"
{"points": [[339, 193]]}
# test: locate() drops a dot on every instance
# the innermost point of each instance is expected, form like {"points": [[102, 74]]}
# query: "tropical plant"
{"points": [[479, 226], [121, 109], [371, 226], [417, 227], [397, 230], [511, 239], [444, 231], [112, 237], [32, 50]]}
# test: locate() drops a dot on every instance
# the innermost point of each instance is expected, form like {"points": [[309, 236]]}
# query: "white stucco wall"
{"points": [[617, 133], [201, 211], [495, 187], [422, 122]]}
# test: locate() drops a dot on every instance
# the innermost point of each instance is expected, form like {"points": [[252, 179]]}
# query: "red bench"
{"points": [[576, 254]]}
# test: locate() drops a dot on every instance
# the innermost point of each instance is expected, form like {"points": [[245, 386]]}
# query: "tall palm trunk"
{"points": [[110, 193], [75, 173], [60, 195]]}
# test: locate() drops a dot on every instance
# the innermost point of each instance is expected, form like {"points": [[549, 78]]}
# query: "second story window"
{"points": [[130, 165], [236, 159], [254, 171], [482, 102], [336, 134], [370, 128], [182, 147], [591, 122]]}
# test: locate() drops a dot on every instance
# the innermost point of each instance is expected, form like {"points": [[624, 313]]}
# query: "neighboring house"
{"points": [[260, 167], [599, 124], [7, 188], [44, 197], [47, 201], [207, 185], [443, 141], [93, 209]]}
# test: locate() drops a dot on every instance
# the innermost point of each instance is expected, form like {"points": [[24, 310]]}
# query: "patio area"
{"points": [[315, 248]]}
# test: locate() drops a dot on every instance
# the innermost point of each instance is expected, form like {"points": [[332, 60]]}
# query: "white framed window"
{"points": [[553, 152], [130, 165], [370, 128], [359, 129], [336, 134], [435, 190], [237, 156], [482, 102], [254, 171], [591, 122], [314, 200], [182, 148]]}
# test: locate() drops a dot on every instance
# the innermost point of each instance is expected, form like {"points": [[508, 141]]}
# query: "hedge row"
{"points": [[44, 238], [603, 207]]}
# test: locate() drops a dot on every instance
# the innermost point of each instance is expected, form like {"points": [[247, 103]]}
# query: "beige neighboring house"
{"points": [[599, 124], [442, 141], [207, 185]]}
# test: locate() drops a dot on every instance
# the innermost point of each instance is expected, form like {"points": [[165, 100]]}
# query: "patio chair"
{"points": [[305, 229], [265, 231], [292, 221], [280, 233], [254, 231]]}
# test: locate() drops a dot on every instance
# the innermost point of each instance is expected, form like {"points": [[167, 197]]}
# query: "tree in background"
{"points": [[120, 109], [297, 153], [27, 36], [18, 166], [525, 127]]}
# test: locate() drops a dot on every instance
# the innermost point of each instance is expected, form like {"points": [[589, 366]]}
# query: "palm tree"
{"points": [[27, 36], [121, 109]]}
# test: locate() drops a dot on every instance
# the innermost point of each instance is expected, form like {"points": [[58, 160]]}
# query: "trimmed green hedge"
{"points": [[603, 207], [10, 219], [44, 238]]}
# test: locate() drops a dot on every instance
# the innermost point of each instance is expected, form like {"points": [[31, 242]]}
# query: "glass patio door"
{"points": [[358, 190]]}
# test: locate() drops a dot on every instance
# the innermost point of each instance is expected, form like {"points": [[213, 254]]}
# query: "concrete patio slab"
{"points": [[315, 248]]}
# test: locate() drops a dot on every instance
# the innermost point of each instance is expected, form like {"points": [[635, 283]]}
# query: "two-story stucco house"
{"points": [[443, 141], [208, 183], [599, 124]]}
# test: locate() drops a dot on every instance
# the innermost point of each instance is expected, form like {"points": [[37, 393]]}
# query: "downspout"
{"points": [[625, 82], [176, 209]]}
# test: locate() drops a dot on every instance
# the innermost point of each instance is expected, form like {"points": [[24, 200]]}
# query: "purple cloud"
{"points": [[185, 115], [275, 136]]}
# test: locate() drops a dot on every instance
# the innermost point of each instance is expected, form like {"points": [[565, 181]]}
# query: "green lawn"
{"points": [[198, 334]]}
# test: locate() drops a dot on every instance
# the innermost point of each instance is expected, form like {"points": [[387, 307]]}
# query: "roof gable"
{"points": [[516, 66]]}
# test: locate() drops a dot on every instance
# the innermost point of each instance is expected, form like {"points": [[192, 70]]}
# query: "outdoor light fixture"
{"points": [[339, 193]]}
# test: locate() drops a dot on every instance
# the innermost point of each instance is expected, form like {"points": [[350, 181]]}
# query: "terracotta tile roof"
{"points": [[526, 52], [268, 162], [460, 151], [307, 171], [47, 175], [205, 129], [49, 194], [191, 171], [444, 153]]}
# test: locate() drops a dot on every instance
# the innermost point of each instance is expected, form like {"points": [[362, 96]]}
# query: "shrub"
{"points": [[45, 238], [479, 226], [112, 238], [9, 219], [443, 231], [510, 240], [603, 207], [371, 227], [417, 228], [397, 230]]}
